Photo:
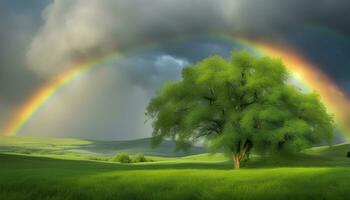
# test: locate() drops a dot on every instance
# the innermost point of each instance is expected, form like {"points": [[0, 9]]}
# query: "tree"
{"points": [[122, 157], [238, 105], [139, 157]]}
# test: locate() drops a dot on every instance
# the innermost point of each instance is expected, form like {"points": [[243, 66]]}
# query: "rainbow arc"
{"points": [[334, 99]]}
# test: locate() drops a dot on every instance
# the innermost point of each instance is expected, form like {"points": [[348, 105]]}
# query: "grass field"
{"points": [[318, 173], [78, 148]]}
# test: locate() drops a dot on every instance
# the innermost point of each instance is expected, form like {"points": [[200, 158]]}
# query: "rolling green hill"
{"points": [[193, 177], [79, 147], [37, 174], [336, 151]]}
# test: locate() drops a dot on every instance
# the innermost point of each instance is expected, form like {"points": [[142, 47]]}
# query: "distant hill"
{"points": [[166, 148], [44, 145], [87, 148], [335, 151]]}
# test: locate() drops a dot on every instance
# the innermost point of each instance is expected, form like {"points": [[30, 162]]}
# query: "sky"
{"points": [[156, 39]]}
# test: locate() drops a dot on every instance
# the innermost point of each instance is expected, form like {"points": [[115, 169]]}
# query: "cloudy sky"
{"points": [[42, 38]]}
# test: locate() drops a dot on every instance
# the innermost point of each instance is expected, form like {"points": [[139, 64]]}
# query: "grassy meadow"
{"points": [[317, 173]]}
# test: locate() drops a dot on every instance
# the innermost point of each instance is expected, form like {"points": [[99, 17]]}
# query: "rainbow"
{"points": [[27, 110], [331, 95]]}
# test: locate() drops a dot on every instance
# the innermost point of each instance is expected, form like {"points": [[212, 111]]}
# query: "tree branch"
{"points": [[255, 98]]}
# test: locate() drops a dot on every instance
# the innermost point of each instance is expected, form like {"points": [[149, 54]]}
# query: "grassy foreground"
{"points": [[194, 177]]}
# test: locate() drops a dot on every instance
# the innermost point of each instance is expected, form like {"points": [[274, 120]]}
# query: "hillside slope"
{"points": [[33, 178], [336, 151], [43, 145]]}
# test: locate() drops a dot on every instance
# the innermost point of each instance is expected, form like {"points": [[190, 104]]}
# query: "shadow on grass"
{"points": [[298, 160], [20, 161], [85, 180], [27, 162]]}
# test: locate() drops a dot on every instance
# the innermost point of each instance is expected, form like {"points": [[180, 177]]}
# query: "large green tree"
{"points": [[238, 105]]}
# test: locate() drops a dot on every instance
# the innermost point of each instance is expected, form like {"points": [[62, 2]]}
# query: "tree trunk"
{"points": [[236, 161], [241, 152]]}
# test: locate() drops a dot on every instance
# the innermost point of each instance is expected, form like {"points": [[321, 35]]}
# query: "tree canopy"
{"points": [[239, 104]]}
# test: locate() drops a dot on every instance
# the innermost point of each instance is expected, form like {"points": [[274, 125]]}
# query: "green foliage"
{"points": [[125, 158], [348, 154], [122, 158], [239, 104], [139, 157]]}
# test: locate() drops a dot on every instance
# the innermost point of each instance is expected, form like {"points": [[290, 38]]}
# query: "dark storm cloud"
{"points": [[81, 29], [328, 50], [110, 104], [280, 17], [199, 48], [19, 21], [18, 26]]}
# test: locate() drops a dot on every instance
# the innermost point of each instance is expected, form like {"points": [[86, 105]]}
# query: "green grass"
{"points": [[204, 177], [339, 150], [318, 173], [82, 149]]}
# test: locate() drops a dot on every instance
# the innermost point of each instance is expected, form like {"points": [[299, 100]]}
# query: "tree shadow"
{"points": [[298, 160], [21, 161]]}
